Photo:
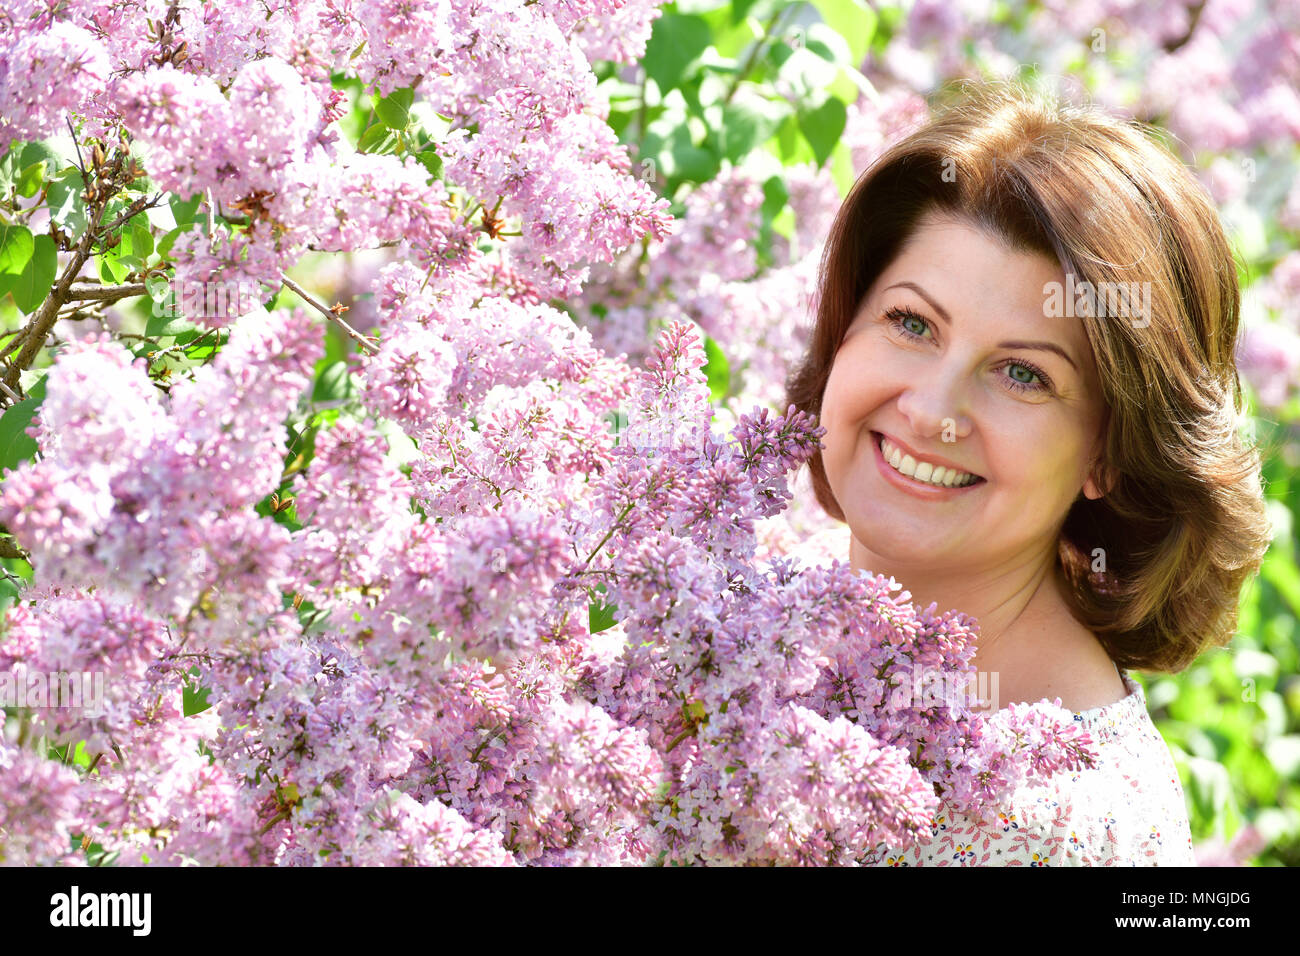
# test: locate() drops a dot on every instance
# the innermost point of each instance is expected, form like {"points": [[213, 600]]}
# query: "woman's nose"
{"points": [[935, 407]]}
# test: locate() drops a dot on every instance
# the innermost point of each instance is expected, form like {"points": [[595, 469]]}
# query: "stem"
{"points": [[608, 534], [110, 184], [365, 343], [136, 207], [282, 815], [641, 111], [48, 313], [688, 732], [178, 346], [16, 341], [754, 51], [100, 293], [1194, 17]]}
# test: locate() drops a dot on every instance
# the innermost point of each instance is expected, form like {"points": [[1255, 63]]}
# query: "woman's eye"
{"points": [[908, 321], [1020, 376]]}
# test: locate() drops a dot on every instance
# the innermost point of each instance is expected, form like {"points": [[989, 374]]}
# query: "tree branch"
{"points": [[105, 293], [335, 315], [103, 181]]}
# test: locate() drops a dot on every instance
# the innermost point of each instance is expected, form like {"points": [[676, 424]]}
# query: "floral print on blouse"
{"points": [[1128, 810]]}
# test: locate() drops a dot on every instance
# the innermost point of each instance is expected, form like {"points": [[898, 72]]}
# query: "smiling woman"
{"points": [[1024, 359]]}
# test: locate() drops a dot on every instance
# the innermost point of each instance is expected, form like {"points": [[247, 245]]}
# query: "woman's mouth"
{"points": [[910, 473]]}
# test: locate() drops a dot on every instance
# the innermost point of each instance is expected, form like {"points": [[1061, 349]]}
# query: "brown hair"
{"points": [[1183, 524]]}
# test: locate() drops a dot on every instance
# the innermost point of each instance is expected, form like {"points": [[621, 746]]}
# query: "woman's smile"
{"points": [[928, 477]]}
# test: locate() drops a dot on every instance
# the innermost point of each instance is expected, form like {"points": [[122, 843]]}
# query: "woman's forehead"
{"points": [[970, 267]]}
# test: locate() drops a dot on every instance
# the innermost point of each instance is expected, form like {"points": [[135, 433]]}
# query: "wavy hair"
{"points": [[1183, 524]]}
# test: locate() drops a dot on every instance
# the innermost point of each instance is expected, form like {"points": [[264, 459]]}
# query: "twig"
{"points": [[81, 162], [9, 549], [754, 51], [331, 314], [282, 815], [136, 207], [17, 340], [48, 313], [100, 293]]}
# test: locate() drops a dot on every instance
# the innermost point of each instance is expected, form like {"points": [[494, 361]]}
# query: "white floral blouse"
{"points": [[1128, 810]]}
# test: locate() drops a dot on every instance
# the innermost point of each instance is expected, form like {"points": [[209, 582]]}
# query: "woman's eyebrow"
{"points": [[943, 314]]}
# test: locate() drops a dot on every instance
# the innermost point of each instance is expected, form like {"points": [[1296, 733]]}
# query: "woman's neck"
{"points": [[1029, 645], [1002, 598]]}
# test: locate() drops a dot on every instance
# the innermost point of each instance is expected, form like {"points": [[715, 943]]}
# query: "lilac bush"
{"points": [[505, 601]]}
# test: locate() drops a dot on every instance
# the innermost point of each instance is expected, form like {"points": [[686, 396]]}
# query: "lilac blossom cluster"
{"points": [[407, 672], [445, 701], [236, 104]]}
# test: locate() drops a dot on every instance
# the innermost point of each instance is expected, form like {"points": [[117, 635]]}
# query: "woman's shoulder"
{"points": [[1127, 810]]}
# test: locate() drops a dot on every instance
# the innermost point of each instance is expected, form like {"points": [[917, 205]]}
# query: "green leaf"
{"points": [[162, 325], [783, 223], [333, 384], [729, 36], [745, 126], [846, 88], [141, 239], [38, 152], [394, 110], [184, 211], [34, 284], [16, 248], [775, 197], [194, 699], [431, 161], [29, 181], [205, 349], [67, 207], [717, 370], [16, 446], [378, 139], [1284, 576], [842, 170], [741, 8], [601, 617], [823, 126], [853, 20], [168, 238], [791, 146], [11, 166], [689, 162], [675, 43], [116, 265]]}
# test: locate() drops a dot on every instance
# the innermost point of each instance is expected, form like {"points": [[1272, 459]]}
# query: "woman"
{"points": [[1023, 356]]}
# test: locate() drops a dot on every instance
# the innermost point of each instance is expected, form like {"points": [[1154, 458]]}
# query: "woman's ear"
{"points": [[1101, 479]]}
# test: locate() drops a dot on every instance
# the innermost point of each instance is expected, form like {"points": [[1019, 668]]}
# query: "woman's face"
{"points": [[953, 357]]}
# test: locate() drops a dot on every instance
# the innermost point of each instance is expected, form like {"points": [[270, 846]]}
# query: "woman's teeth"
{"points": [[923, 472]]}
